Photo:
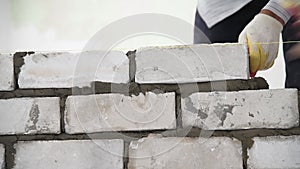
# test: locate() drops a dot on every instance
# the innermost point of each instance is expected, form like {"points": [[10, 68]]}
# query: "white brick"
{"points": [[241, 110], [65, 70], [110, 112], [2, 156], [195, 63], [29, 116], [7, 72], [191, 153], [275, 152], [83, 154]]}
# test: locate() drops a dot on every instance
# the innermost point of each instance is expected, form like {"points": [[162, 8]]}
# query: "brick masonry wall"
{"points": [[150, 108]]}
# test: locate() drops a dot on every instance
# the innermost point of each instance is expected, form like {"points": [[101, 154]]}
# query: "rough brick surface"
{"points": [[196, 63], [116, 112], [7, 72], [275, 152], [83, 154], [179, 153], [2, 157], [241, 110], [29, 116], [65, 70]]}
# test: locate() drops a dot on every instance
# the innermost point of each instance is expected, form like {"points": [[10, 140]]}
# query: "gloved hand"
{"points": [[262, 37]]}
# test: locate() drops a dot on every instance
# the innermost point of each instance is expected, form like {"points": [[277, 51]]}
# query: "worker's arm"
{"points": [[262, 33]]}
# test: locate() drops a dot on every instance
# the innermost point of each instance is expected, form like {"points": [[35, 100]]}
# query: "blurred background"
{"points": [[67, 25]]}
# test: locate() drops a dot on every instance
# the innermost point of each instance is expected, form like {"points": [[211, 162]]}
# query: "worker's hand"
{"points": [[262, 37]]}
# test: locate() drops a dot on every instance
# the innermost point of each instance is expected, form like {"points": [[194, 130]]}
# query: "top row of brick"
{"points": [[173, 64]]}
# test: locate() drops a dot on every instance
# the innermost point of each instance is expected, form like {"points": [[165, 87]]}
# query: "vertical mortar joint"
{"points": [[132, 64]]}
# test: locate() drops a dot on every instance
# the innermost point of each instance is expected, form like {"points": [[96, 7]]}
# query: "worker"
{"points": [[257, 23]]}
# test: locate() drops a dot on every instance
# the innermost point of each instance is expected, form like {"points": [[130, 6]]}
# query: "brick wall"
{"points": [[150, 108]]}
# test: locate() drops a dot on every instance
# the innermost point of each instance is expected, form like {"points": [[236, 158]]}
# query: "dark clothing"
{"points": [[229, 29]]}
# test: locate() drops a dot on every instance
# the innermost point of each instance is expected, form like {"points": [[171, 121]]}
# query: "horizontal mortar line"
{"points": [[83, 136], [133, 135], [48, 93], [63, 92], [104, 84], [4, 96], [108, 84], [251, 133]]}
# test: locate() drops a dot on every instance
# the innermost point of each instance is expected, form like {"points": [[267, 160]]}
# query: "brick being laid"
{"points": [[117, 112], [192, 63], [273, 109]]}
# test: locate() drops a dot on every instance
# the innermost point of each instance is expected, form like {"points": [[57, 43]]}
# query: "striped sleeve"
{"points": [[285, 9]]}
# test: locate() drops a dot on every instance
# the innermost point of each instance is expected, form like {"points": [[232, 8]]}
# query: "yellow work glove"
{"points": [[262, 37]]}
